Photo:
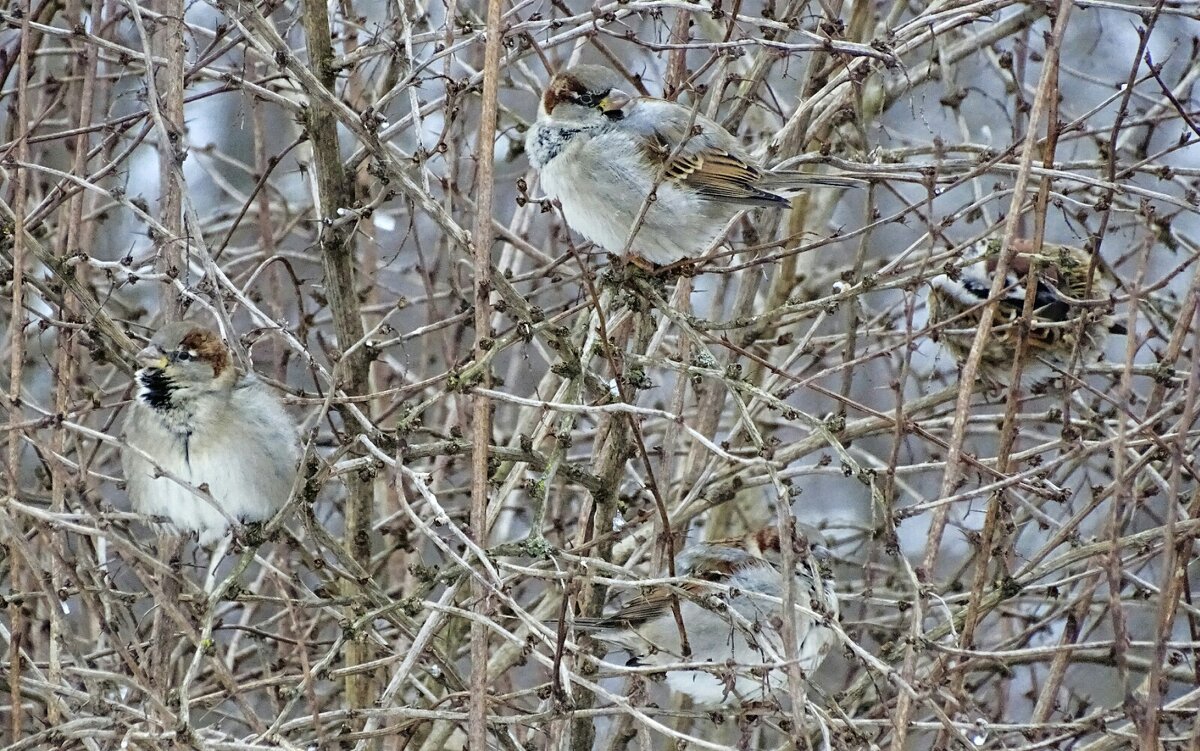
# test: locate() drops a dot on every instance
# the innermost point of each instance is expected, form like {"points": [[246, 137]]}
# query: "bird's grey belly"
{"points": [[247, 472]]}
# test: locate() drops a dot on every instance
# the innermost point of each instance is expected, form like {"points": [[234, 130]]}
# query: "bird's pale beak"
{"points": [[615, 100], [151, 357]]}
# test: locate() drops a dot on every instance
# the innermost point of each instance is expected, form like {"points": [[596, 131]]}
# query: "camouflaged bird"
{"points": [[742, 575], [1061, 301]]}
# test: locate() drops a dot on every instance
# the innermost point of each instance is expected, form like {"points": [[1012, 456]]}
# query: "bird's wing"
{"points": [[703, 562], [696, 152], [1061, 279], [644, 608]]}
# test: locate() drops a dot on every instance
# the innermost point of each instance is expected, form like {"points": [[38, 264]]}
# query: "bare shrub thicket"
{"points": [[1014, 571]]}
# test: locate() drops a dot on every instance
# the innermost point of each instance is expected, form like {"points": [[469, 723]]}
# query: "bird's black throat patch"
{"points": [[155, 388], [551, 142]]}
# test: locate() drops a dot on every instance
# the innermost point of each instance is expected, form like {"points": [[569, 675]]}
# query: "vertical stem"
{"points": [[992, 527], [481, 239], [971, 367], [677, 58], [615, 442], [334, 191], [165, 92], [66, 355], [169, 44], [16, 339], [266, 236], [1045, 91]]}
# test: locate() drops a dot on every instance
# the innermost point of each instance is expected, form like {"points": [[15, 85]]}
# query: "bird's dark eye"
{"points": [[183, 356], [590, 99]]}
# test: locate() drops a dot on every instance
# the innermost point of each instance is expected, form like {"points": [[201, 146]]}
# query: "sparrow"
{"points": [[956, 301], [604, 155], [742, 575], [226, 447]]}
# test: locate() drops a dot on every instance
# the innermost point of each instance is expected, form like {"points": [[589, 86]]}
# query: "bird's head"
{"points": [[183, 357], [584, 92]]}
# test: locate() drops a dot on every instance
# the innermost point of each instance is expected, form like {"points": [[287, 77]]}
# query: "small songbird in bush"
{"points": [[1061, 301], [226, 448], [733, 613], [606, 157]]}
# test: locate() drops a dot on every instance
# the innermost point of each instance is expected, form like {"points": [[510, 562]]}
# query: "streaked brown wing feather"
{"points": [[713, 173], [640, 610], [647, 607]]}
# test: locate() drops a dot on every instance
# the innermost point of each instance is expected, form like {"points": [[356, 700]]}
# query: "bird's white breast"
{"points": [[602, 179]]}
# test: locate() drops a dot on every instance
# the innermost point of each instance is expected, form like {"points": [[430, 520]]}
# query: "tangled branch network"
{"points": [[625, 375]]}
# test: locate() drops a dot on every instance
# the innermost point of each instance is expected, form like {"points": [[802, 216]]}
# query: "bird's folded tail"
{"points": [[794, 180]]}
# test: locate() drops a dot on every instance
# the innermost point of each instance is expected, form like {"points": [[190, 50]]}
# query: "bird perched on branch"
{"points": [[1062, 300], [733, 613], [225, 447], [644, 175]]}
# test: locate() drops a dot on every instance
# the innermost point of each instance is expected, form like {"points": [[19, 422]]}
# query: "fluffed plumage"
{"points": [[206, 424]]}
